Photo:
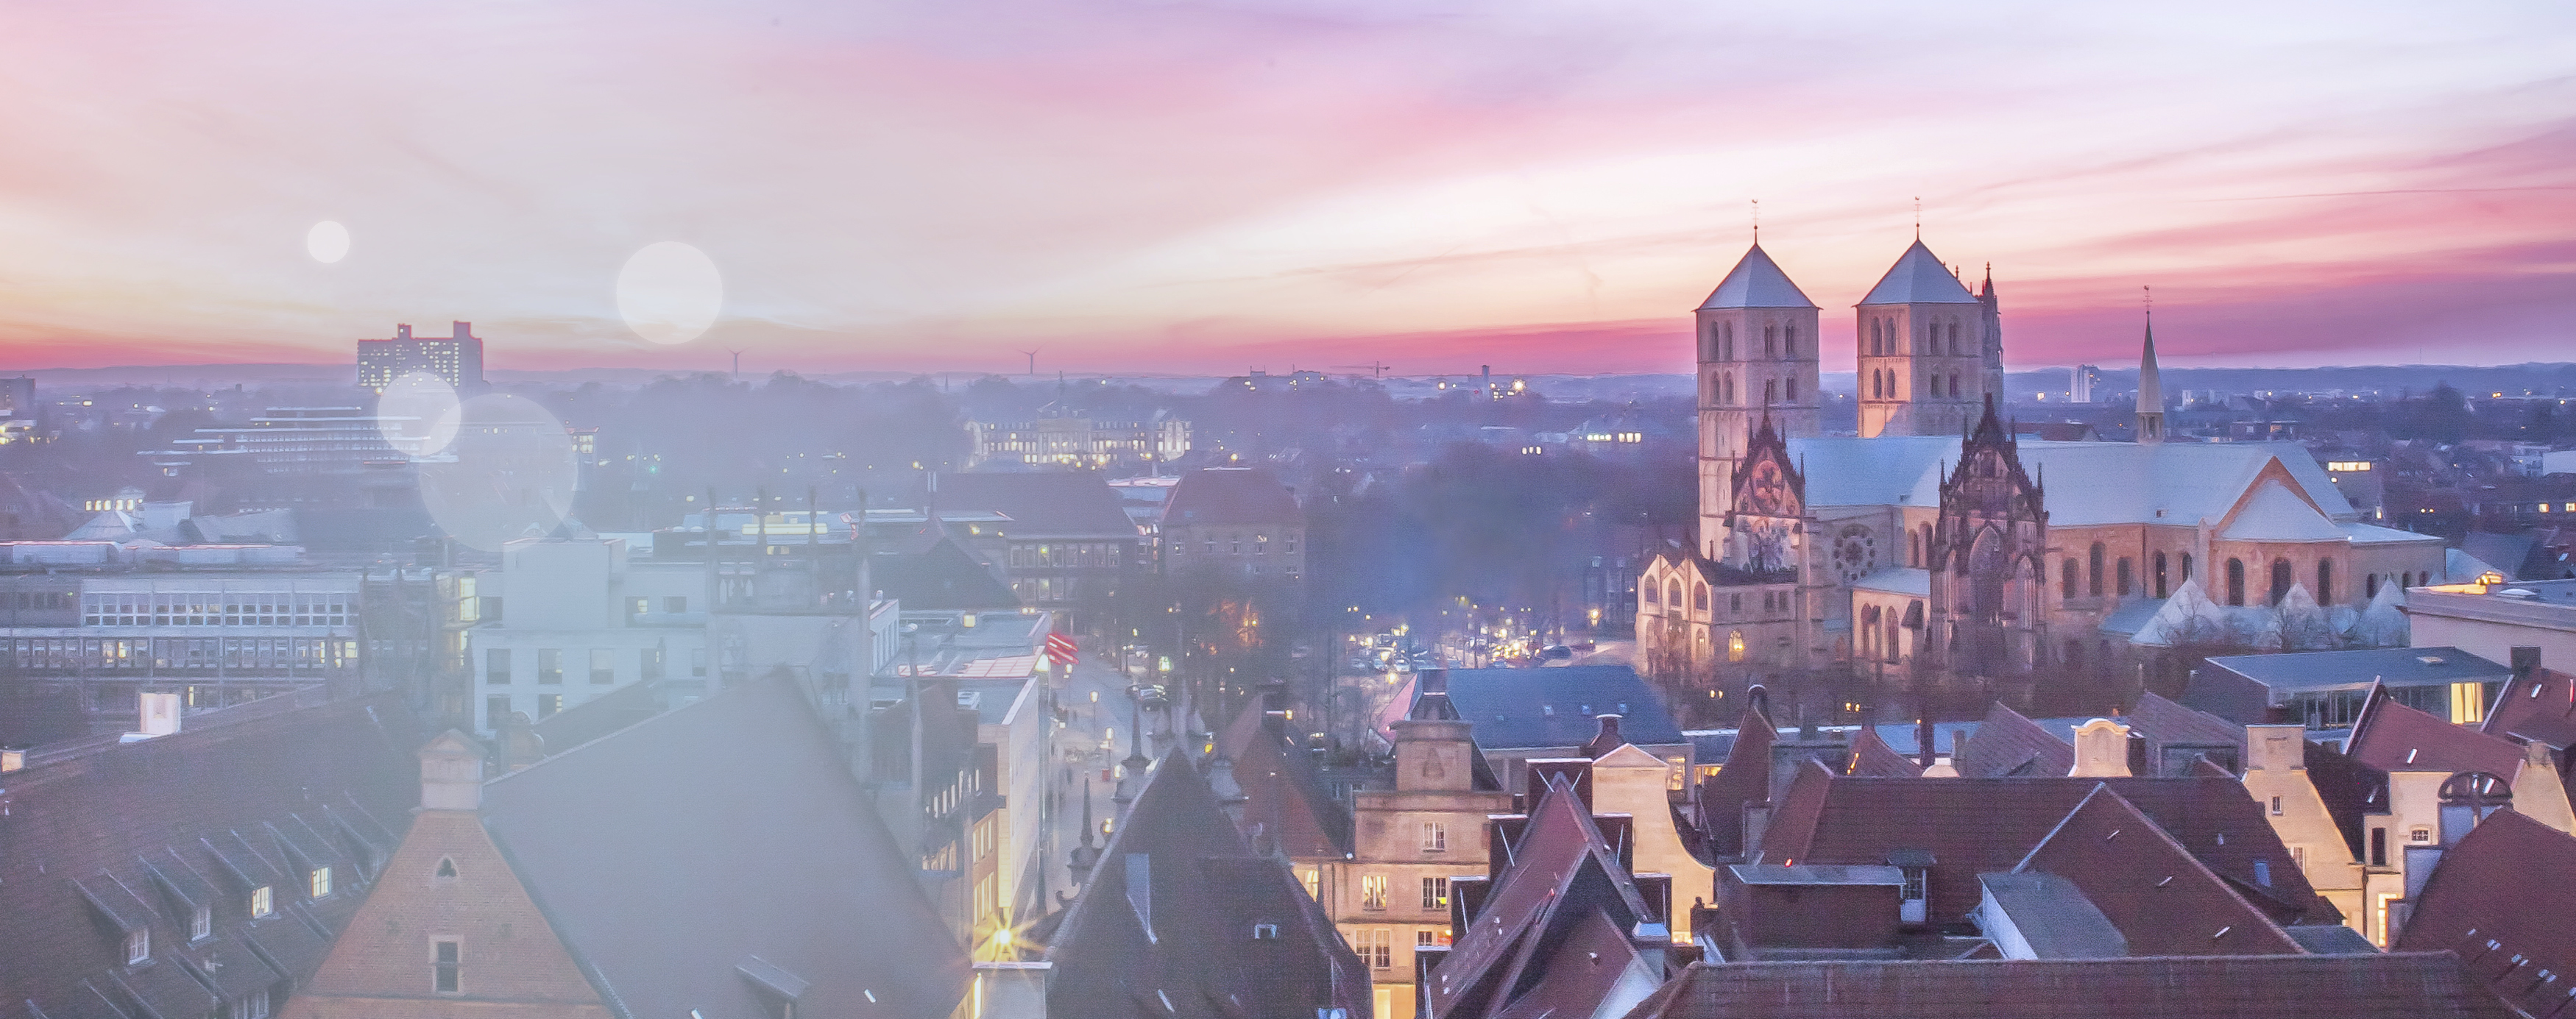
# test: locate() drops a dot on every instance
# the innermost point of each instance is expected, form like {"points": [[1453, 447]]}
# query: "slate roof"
{"points": [[2274, 513], [2159, 896], [1909, 580], [2352, 670], [1231, 495], [1918, 277], [1978, 825], [1042, 504], [2089, 483], [2502, 900], [2402, 986], [2169, 724], [1286, 798], [1518, 709], [1756, 282], [2390, 736], [2541, 707], [1165, 924], [1539, 917], [941, 575], [2008, 744], [2053, 917], [668, 852], [150, 830]]}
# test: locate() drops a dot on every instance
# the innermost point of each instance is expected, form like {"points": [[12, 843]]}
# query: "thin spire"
{"points": [[1918, 217], [2151, 390], [1757, 222]]}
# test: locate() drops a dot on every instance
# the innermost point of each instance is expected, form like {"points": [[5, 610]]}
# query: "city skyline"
{"points": [[1204, 188]]}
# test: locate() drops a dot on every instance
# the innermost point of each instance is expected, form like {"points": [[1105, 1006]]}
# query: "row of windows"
{"points": [[37, 601], [1772, 601], [1882, 385], [649, 665], [1066, 553], [1778, 342], [1233, 544], [1773, 390], [1376, 945], [1373, 890], [152, 654], [1884, 338], [166, 608], [2165, 573]]}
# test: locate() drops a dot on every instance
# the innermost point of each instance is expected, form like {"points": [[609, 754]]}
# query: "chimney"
{"points": [[451, 773], [2526, 665], [2101, 750], [159, 713], [1924, 754], [1607, 739]]}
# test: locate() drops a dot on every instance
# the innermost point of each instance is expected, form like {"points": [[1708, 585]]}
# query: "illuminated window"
{"points": [[1373, 891], [1435, 893], [1735, 646], [1314, 879], [319, 881], [2468, 703]]}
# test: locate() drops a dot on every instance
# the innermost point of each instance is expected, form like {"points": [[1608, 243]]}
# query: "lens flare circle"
{"points": [[327, 242], [417, 415], [669, 292], [509, 474]]}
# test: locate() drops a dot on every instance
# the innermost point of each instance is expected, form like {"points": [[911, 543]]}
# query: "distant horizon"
{"points": [[1203, 187]]}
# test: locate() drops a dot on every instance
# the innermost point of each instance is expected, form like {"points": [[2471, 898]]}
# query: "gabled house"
{"points": [[718, 858], [2501, 900], [2413, 985], [1181, 919]]}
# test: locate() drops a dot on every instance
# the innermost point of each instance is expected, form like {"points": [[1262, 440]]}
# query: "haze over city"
{"points": [[1205, 187]]}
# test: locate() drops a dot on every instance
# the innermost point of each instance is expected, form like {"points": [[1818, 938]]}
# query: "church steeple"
{"points": [[2151, 391], [1757, 357], [1925, 343]]}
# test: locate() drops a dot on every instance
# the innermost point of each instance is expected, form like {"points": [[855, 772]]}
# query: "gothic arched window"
{"points": [[1726, 389], [1770, 392], [2370, 587], [2160, 574], [2325, 581], [1954, 339], [2186, 566], [2125, 582], [1699, 598], [1914, 551], [1789, 349], [1770, 341], [1791, 386], [1874, 339], [2066, 580], [1954, 385], [2093, 571], [2236, 582], [1673, 594], [2282, 578], [1730, 341]]}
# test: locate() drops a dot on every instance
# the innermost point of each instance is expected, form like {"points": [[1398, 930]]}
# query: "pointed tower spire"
{"points": [[2151, 389]]}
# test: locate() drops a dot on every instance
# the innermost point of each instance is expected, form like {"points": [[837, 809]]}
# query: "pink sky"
{"points": [[1177, 186]]}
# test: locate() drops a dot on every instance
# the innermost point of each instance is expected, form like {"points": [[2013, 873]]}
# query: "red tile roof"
{"points": [[2504, 899], [1561, 875], [2009, 744], [1973, 825], [1744, 778], [1286, 798], [1873, 758], [2407, 986], [2160, 896], [2169, 724], [2391, 736]]}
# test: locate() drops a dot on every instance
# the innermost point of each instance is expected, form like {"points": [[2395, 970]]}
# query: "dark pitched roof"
{"points": [[2539, 707], [2053, 916], [1873, 758], [1050, 504], [1973, 826], [140, 826], [2161, 898], [2008, 744], [1231, 495], [941, 575], [1745, 778], [2167, 724], [1562, 875], [2408, 986], [1165, 924], [1286, 798], [2391, 736], [2503, 899], [739, 815], [1517, 709], [2349, 788], [2327, 670]]}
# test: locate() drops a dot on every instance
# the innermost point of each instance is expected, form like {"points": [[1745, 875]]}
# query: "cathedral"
{"points": [[1936, 541]]}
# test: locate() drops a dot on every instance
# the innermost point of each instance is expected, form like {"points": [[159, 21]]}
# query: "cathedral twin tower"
{"points": [[1930, 354]]}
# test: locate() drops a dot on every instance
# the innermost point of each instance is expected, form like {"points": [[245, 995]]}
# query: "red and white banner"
{"points": [[1059, 649]]}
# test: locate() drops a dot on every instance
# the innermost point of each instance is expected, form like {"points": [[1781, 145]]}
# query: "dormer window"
{"points": [[263, 901], [1265, 932], [320, 882], [201, 923], [138, 946]]}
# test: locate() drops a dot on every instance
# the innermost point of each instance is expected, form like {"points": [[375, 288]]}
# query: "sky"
{"points": [[1191, 186]]}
